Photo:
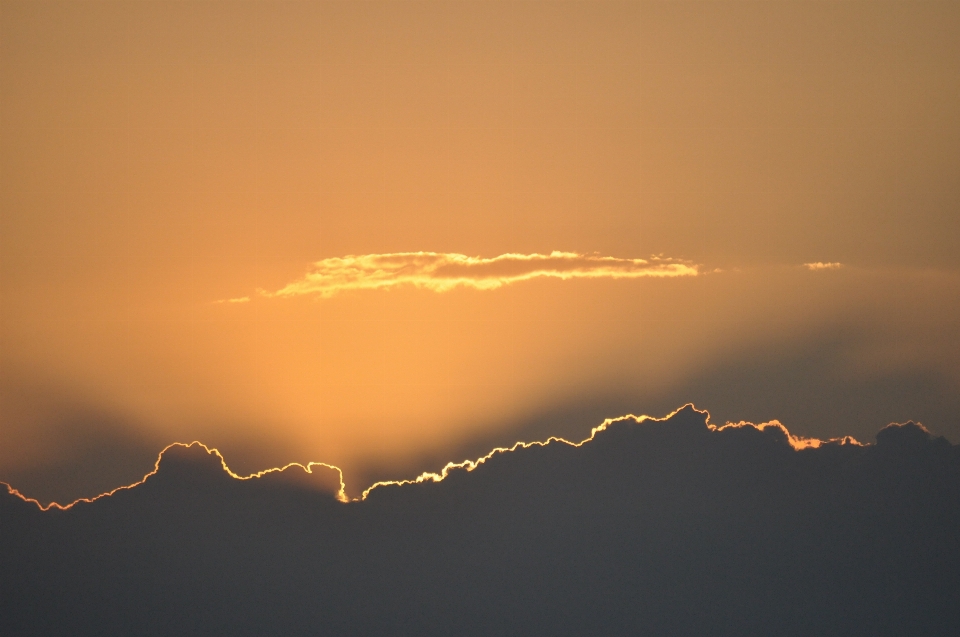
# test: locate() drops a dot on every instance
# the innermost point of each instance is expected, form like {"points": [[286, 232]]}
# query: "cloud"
{"points": [[814, 382], [444, 271], [688, 413], [650, 526], [819, 265], [197, 462]]}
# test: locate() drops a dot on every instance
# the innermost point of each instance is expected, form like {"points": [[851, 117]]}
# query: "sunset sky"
{"points": [[388, 235]]}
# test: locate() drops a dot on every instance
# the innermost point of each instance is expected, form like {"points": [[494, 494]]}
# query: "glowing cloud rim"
{"points": [[797, 443], [307, 468], [444, 271]]}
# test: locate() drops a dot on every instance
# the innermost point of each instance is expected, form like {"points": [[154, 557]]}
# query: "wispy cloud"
{"points": [[819, 265], [444, 271]]}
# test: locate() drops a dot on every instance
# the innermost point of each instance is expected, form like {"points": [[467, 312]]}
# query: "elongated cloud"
{"points": [[443, 271], [819, 265]]}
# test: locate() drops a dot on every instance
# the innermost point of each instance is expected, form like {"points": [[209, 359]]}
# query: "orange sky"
{"points": [[158, 157]]}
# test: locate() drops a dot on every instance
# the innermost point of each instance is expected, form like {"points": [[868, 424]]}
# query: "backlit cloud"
{"points": [[609, 536], [443, 271], [819, 265]]}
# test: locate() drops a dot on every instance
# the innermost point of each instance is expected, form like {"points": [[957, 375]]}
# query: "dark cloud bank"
{"points": [[658, 528]]}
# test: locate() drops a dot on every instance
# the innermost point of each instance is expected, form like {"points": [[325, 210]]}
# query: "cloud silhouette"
{"points": [[196, 461], [806, 380], [56, 444], [444, 271], [652, 526], [60, 446]]}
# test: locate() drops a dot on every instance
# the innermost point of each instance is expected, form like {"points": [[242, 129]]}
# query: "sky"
{"points": [[388, 235]]}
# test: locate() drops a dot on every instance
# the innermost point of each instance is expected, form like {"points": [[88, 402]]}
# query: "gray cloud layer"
{"points": [[664, 526]]}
